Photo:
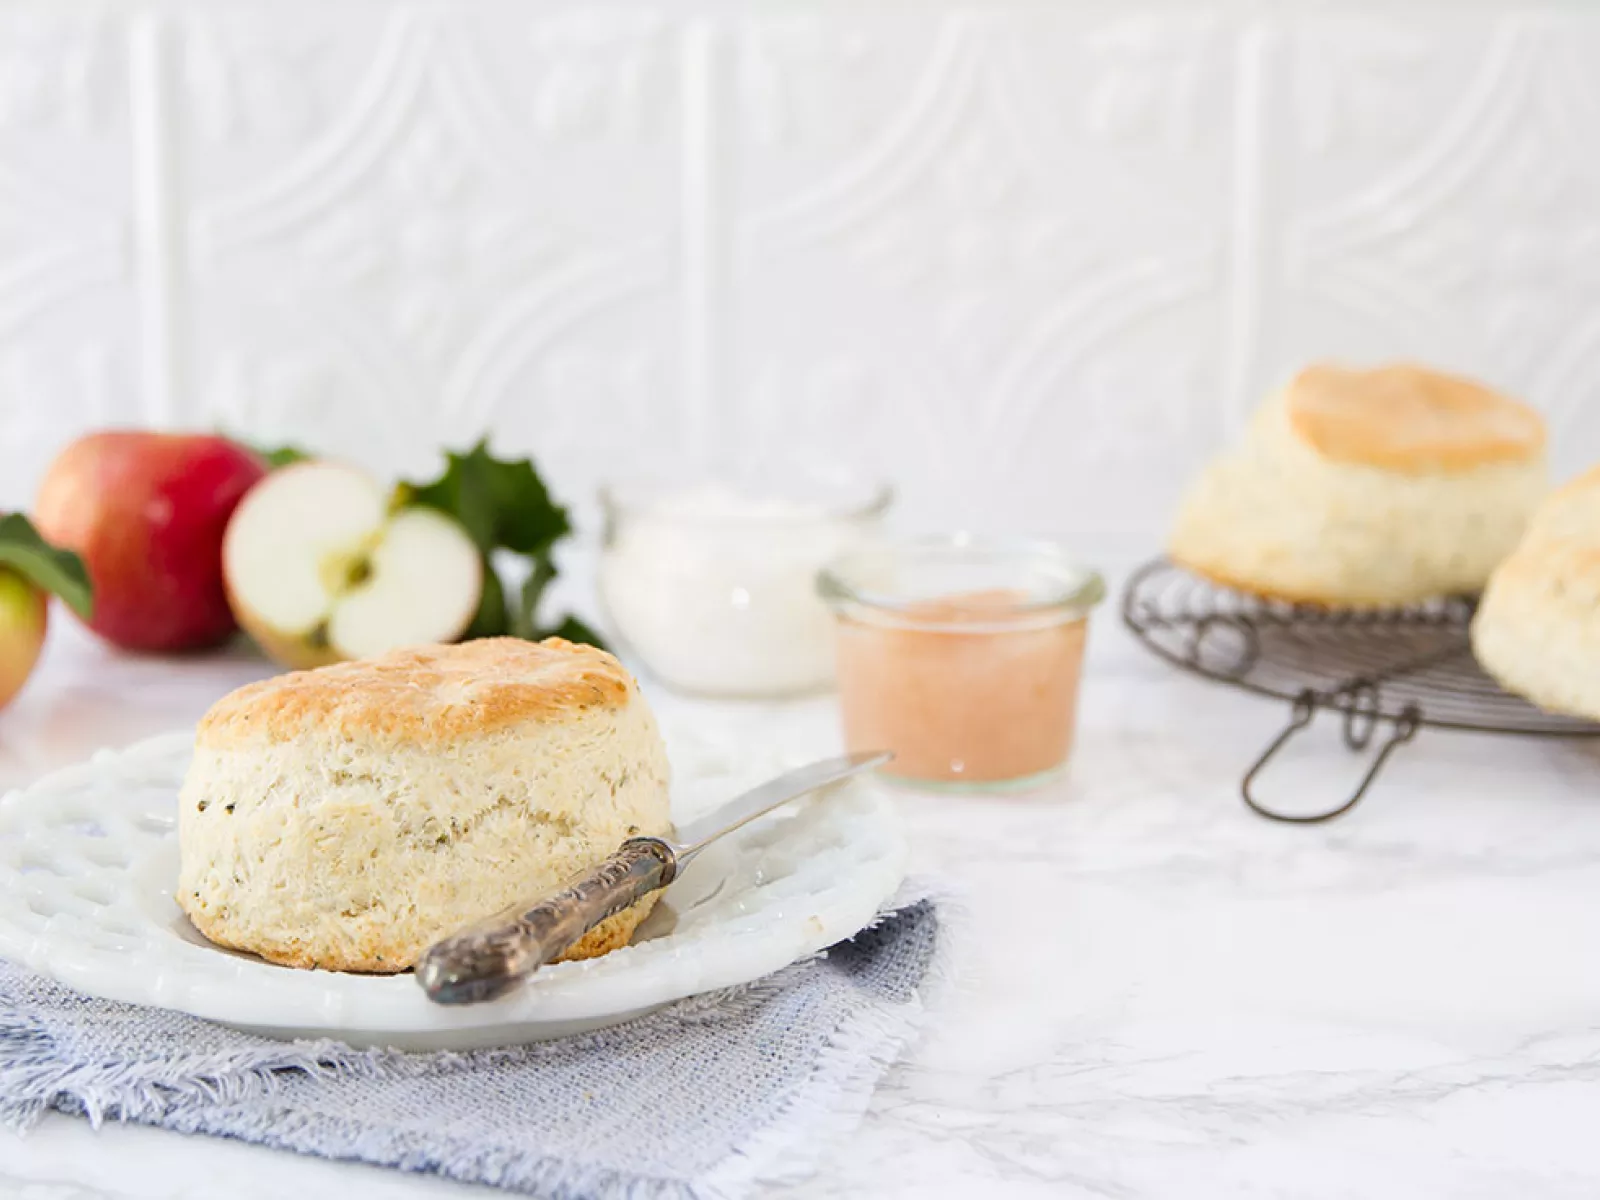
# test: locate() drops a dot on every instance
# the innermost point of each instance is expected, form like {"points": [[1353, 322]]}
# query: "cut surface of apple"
{"points": [[319, 569]]}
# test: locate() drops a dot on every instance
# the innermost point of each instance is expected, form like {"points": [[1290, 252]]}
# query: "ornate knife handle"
{"points": [[487, 959]]}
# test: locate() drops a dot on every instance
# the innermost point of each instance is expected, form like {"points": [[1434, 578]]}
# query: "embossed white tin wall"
{"points": [[1032, 260]]}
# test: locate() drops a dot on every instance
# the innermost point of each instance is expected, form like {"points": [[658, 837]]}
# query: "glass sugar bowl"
{"points": [[710, 585]]}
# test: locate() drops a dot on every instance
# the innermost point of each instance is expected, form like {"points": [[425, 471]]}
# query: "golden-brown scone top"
{"points": [[426, 695], [1409, 419]]}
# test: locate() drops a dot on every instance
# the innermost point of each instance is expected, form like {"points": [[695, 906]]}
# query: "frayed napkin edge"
{"points": [[833, 1102], [822, 1112]]}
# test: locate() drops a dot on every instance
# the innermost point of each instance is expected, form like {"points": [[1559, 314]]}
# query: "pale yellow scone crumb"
{"points": [[1367, 488], [349, 816], [1537, 630]]}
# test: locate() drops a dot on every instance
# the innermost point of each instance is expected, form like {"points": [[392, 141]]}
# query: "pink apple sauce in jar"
{"points": [[963, 656]]}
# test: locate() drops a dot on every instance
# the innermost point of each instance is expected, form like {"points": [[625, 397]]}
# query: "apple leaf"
{"points": [[283, 456], [501, 503], [505, 508], [525, 618], [60, 572], [275, 456], [574, 630]]}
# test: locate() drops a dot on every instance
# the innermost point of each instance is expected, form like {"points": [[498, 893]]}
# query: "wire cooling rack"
{"points": [[1402, 668]]}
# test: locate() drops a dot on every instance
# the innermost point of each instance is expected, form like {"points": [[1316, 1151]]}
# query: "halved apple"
{"points": [[319, 569]]}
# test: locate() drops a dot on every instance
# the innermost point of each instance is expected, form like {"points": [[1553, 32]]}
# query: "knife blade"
{"points": [[487, 959]]}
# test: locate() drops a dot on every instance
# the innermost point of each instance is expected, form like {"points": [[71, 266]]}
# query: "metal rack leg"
{"points": [[1305, 709]]}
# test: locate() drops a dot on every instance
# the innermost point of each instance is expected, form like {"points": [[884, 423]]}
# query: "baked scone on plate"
{"points": [[1537, 629], [1367, 488], [348, 817]]}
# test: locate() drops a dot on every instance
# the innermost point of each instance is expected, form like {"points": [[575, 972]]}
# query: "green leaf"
{"points": [[490, 619], [60, 572], [525, 620], [501, 503], [283, 456], [575, 630], [275, 457], [505, 508]]}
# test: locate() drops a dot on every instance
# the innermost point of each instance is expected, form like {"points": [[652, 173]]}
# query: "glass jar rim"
{"points": [[858, 500], [1078, 588]]}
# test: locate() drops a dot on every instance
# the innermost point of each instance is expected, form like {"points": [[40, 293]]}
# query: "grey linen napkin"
{"points": [[704, 1099]]}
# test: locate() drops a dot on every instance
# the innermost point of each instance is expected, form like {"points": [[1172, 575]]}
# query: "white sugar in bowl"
{"points": [[711, 586]]}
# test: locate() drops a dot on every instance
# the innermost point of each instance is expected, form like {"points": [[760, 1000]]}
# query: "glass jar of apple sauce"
{"points": [[962, 655]]}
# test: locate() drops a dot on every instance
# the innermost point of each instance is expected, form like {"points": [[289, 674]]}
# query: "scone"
{"points": [[1537, 630], [348, 817], [1366, 489]]}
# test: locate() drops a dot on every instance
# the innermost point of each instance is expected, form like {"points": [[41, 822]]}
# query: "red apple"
{"points": [[24, 617], [147, 511]]}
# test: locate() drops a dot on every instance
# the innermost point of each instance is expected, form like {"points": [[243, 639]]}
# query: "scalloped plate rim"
{"points": [[859, 816]]}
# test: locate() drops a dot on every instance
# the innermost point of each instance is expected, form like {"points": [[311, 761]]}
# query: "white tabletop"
{"points": [[1159, 993]]}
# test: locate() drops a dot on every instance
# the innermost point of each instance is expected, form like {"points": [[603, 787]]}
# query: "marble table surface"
{"points": [[1159, 994]]}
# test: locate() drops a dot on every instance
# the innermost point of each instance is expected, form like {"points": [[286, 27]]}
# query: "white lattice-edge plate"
{"points": [[88, 859]]}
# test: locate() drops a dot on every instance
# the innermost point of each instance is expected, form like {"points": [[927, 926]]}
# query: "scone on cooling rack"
{"points": [[1367, 488], [348, 817], [1537, 629]]}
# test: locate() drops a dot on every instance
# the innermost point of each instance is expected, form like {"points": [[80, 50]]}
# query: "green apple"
{"points": [[24, 618], [30, 571]]}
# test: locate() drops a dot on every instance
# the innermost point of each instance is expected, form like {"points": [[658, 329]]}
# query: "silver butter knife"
{"points": [[486, 960]]}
